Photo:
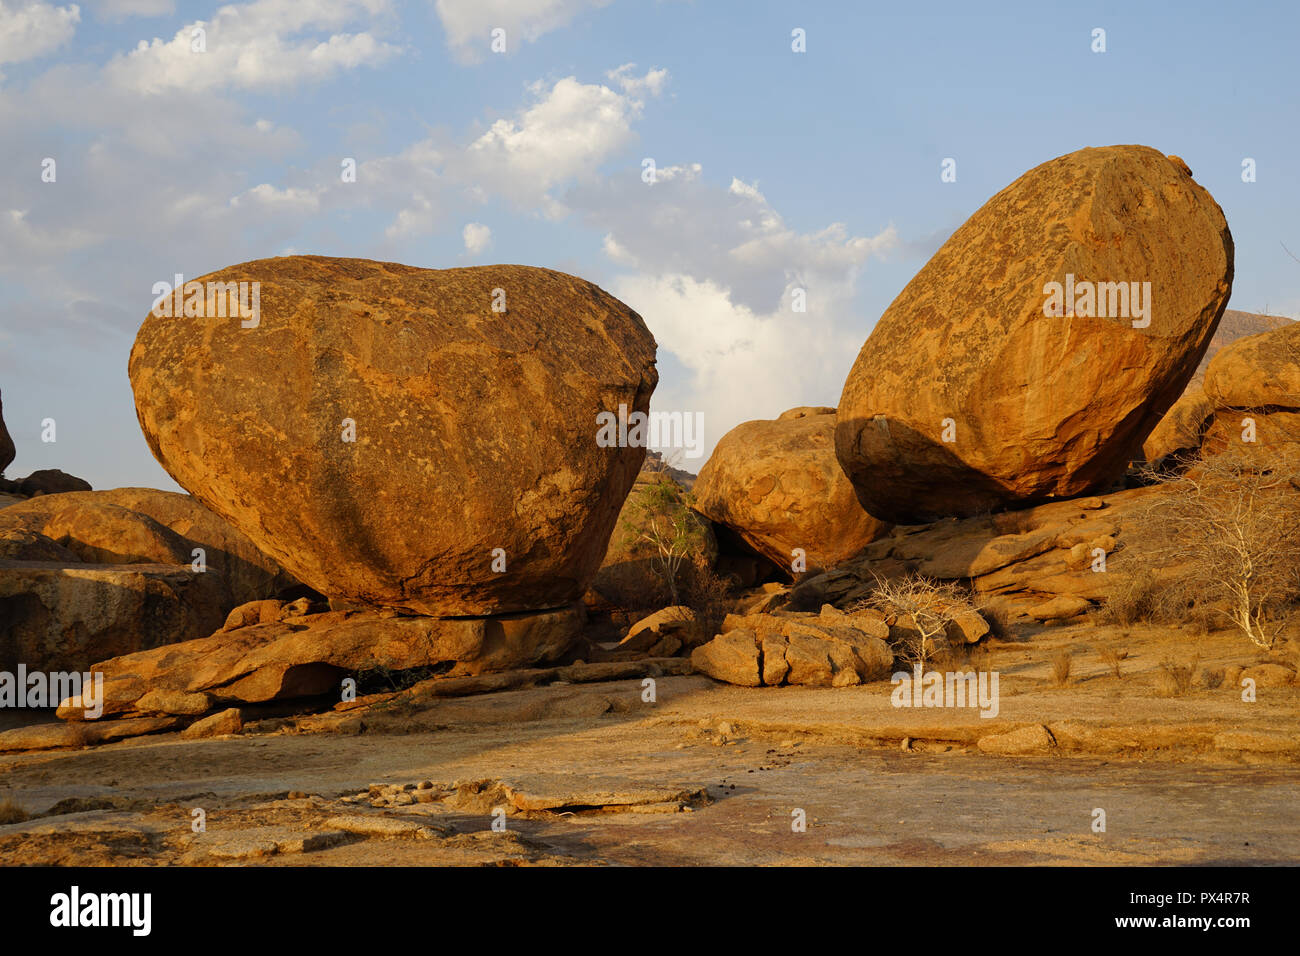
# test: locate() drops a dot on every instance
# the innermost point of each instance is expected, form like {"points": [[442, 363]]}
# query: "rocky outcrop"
{"points": [[306, 655], [984, 384], [50, 481], [1253, 386], [1020, 562], [415, 438], [1179, 434], [144, 525], [65, 617], [90, 575], [777, 485], [830, 649]]}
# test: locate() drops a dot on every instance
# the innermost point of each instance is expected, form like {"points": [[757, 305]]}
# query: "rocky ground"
{"points": [[592, 773]]}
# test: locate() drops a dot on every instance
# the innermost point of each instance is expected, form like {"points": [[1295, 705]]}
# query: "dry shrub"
{"points": [[1111, 657], [708, 594], [666, 534], [922, 609], [1174, 679], [1226, 536], [1212, 678], [11, 812], [1133, 598], [1061, 665]]}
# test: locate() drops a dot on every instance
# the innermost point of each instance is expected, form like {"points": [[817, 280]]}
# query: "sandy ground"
{"points": [[705, 774]]}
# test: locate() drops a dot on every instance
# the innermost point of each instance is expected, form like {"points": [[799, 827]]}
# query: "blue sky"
{"points": [[777, 169]]}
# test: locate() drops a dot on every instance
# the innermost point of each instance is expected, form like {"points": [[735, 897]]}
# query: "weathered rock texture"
{"points": [[64, 617], [1182, 429], [90, 575], [308, 655], [475, 430], [1037, 406], [144, 525], [1253, 385], [1019, 562], [779, 487], [1179, 434], [830, 649]]}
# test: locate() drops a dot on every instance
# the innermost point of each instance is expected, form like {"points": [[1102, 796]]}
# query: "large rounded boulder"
{"points": [[1030, 357], [412, 438], [777, 485]]}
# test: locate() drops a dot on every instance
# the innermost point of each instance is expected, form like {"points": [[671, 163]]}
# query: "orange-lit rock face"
{"points": [[381, 431], [777, 485], [969, 395]]}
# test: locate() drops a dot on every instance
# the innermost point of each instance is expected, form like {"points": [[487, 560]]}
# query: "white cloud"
{"points": [[636, 87], [570, 131], [741, 365], [712, 270], [253, 46], [477, 237], [291, 199], [30, 30], [469, 23]]}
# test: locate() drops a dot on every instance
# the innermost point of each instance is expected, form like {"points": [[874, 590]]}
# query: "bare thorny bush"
{"points": [[1225, 537], [923, 611]]}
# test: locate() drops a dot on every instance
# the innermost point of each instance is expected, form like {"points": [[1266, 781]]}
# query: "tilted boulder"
{"points": [[391, 436], [984, 384], [779, 487]]}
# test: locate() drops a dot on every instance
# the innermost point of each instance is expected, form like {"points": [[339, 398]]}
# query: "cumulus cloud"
{"points": [[569, 131], [30, 30], [477, 237], [469, 23], [566, 134], [714, 271], [740, 364], [264, 44]]}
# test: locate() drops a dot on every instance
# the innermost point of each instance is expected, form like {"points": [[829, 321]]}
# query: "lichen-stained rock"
{"points": [[778, 485], [975, 390], [66, 617], [476, 431]]}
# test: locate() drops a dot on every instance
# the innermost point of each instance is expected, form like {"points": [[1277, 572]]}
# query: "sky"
{"points": [[776, 169]]}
